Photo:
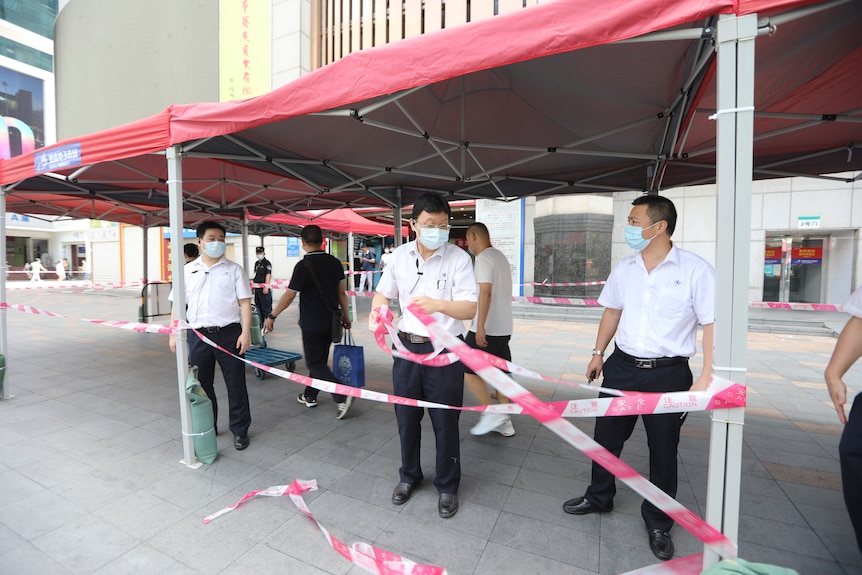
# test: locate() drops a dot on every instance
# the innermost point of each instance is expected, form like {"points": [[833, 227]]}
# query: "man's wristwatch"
{"points": [[598, 352], [270, 316]]}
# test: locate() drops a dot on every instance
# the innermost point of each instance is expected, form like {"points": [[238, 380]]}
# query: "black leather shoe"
{"points": [[240, 442], [582, 506], [660, 543], [403, 492], [447, 506]]}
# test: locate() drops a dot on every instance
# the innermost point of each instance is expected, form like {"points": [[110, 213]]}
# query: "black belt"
{"points": [[216, 328], [413, 338], [649, 363]]}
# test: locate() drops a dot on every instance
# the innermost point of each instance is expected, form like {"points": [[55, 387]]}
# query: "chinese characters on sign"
{"points": [[56, 158], [244, 48], [808, 222]]}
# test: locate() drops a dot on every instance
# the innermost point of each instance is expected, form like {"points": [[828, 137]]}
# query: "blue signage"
{"points": [[292, 247], [57, 158]]}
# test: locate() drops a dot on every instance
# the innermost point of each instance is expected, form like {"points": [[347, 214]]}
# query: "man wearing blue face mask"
{"points": [[218, 304], [438, 277], [654, 301]]}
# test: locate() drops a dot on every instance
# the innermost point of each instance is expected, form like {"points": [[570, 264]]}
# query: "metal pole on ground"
{"points": [[734, 168], [4, 269], [175, 206]]}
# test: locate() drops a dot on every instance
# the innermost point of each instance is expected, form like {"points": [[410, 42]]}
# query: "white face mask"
{"points": [[215, 249], [433, 238]]}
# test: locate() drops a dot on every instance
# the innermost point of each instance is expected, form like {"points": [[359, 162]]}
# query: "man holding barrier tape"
{"points": [[438, 277], [654, 301]]}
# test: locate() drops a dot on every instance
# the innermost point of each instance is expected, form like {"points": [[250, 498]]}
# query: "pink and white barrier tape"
{"points": [[128, 325], [368, 557], [796, 306], [575, 437]]}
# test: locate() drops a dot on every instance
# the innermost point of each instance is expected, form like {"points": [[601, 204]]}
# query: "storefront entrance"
{"points": [[793, 269]]}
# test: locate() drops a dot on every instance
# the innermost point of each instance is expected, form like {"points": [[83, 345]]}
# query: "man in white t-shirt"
{"points": [[492, 326], [847, 351], [384, 259]]}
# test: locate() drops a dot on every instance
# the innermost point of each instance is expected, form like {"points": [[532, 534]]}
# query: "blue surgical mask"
{"points": [[635, 239], [433, 238], [259, 257], [215, 249]]}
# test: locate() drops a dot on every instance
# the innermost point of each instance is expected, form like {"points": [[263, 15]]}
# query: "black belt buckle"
{"points": [[212, 329], [645, 363]]}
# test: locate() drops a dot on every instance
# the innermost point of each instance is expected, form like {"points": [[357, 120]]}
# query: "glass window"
{"points": [[35, 15]]}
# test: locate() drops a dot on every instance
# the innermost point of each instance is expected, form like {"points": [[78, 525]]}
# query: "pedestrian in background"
{"points": [[492, 326], [366, 276], [262, 275], [319, 275]]}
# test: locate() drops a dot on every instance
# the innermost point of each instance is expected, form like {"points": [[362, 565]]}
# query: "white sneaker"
{"points": [[506, 429], [306, 402], [343, 408], [488, 421]]}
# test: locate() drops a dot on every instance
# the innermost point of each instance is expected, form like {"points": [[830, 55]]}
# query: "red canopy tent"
{"points": [[343, 221], [565, 97]]}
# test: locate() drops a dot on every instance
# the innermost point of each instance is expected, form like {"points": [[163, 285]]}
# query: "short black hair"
{"points": [[659, 208], [431, 203], [191, 250], [202, 229], [312, 235]]}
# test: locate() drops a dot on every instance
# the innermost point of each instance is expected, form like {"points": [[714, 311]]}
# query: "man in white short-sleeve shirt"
{"points": [[438, 277], [218, 304], [654, 301]]}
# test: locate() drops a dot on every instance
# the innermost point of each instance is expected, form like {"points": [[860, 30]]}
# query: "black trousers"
{"points": [[850, 454], [263, 303], [315, 348], [662, 432], [439, 384], [233, 370]]}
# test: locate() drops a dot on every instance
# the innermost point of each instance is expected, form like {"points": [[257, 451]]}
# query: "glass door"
{"points": [[793, 269]]}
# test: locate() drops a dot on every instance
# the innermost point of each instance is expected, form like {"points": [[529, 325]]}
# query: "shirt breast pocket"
{"points": [[222, 282], [673, 301]]}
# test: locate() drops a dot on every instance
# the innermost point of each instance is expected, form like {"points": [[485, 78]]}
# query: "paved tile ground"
{"points": [[90, 480]]}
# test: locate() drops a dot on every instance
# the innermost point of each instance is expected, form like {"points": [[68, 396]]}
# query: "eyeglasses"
{"points": [[442, 227]]}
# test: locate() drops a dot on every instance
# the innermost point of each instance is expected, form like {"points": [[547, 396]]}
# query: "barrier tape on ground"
{"points": [[688, 565], [705, 532], [128, 325], [368, 557]]}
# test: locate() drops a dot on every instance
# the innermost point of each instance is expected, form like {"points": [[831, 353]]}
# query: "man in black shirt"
{"points": [[262, 275], [314, 315]]}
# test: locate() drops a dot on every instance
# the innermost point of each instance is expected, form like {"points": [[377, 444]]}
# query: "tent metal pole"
{"points": [[245, 261], [4, 269], [351, 283], [175, 203], [396, 216], [734, 164], [146, 245]]}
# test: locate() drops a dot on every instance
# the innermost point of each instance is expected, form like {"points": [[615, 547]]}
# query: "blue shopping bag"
{"points": [[348, 361]]}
